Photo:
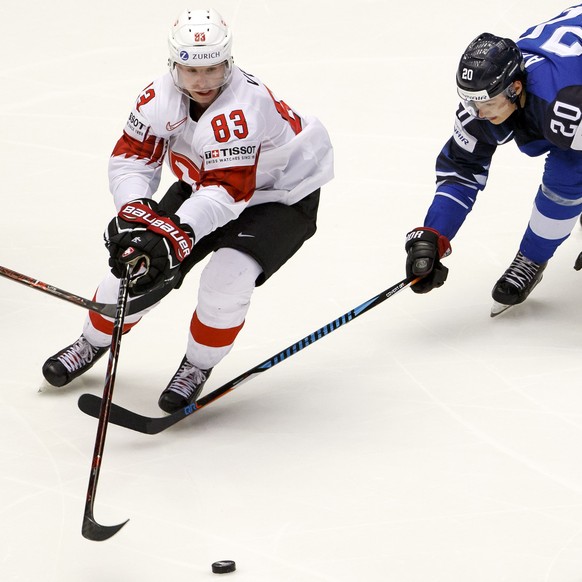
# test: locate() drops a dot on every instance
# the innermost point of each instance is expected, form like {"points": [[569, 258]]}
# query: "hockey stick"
{"points": [[107, 309], [103, 308], [90, 404], [91, 529]]}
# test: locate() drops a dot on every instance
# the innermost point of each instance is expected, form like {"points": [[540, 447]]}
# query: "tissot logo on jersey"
{"points": [[136, 127], [234, 151], [236, 155]]}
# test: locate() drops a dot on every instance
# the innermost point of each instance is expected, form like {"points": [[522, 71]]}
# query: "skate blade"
{"points": [[45, 387], [499, 308]]}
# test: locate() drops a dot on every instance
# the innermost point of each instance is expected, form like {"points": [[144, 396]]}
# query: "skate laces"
{"points": [[521, 272], [187, 379], [78, 355]]}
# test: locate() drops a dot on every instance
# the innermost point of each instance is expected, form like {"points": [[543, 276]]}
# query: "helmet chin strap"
{"points": [[512, 94], [515, 97]]}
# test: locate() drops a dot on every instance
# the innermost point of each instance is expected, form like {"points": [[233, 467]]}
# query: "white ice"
{"points": [[422, 442]]}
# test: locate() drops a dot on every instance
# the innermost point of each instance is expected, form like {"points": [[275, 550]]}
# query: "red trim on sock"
{"points": [[105, 326], [212, 336]]}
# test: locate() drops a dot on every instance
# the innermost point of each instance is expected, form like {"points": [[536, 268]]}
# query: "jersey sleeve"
{"points": [[135, 165], [562, 119], [462, 169]]}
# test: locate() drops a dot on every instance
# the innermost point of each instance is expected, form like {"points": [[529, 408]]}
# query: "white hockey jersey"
{"points": [[247, 148]]}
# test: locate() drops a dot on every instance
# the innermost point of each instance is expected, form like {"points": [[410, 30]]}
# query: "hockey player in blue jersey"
{"points": [[529, 91]]}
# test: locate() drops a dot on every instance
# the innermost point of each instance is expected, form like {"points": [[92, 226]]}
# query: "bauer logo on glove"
{"points": [[141, 230], [137, 212]]}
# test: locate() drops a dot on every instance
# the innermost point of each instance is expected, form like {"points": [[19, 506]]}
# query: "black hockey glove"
{"points": [[425, 248], [141, 229]]}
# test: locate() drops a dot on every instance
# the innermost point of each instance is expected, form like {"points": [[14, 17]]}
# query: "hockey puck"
{"points": [[223, 567]]}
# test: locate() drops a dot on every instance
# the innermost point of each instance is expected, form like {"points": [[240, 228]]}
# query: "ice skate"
{"points": [[516, 283], [71, 362], [184, 388]]}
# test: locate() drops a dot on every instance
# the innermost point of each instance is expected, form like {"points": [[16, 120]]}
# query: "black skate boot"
{"points": [[516, 283], [184, 388], [71, 362]]}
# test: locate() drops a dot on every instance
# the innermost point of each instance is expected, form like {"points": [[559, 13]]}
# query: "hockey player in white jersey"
{"points": [[529, 92], [249, 171]]}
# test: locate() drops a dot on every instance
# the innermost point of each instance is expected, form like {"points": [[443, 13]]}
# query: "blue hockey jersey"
{"points": [[549, 123]]}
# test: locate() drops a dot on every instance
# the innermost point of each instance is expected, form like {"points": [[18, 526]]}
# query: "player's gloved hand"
{"points": [[141, 229], [425, 248]]}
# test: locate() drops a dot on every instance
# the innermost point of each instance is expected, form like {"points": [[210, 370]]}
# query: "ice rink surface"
{"points": [[422, 442]]}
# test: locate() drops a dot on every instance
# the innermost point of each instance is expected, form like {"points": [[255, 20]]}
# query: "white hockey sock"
{"points": [[226, 285], [98, 328]]}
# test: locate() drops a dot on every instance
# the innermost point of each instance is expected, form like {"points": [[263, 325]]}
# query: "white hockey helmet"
{"points": [[200, 38]]}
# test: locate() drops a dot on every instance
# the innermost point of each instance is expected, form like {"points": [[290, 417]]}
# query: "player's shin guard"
{"points": [[226, 287], [98, 328]]}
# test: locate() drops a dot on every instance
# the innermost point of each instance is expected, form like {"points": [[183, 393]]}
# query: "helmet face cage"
{"points": [[488, 68], [201, 42]]}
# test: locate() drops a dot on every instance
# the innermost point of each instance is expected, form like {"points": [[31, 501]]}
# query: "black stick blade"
{"points": [[96, 532], [91, 405]]}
